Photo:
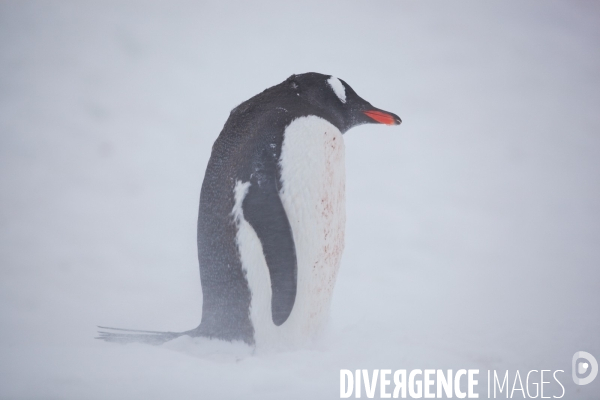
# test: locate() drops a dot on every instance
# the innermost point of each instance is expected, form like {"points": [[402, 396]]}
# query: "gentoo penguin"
{"points": [[272, 214]]}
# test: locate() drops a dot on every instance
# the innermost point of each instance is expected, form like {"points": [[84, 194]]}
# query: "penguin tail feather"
{"points": [[124, 336]]}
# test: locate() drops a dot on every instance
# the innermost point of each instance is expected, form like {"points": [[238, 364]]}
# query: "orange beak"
{"points": [[383, 117]]}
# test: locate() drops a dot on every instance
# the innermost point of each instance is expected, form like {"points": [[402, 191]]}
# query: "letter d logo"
{"points": [[582, 368]]}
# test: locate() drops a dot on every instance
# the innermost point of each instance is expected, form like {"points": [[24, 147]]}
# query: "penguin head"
{"points": [[334, 100]]}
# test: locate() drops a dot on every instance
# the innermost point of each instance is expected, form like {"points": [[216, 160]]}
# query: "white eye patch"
{"points": [[338, 88]]}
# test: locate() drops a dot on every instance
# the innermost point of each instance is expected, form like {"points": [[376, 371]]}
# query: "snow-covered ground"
{"points": [[473, 233]]}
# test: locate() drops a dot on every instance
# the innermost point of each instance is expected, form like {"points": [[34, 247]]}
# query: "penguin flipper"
{"points": [[264, 211]]}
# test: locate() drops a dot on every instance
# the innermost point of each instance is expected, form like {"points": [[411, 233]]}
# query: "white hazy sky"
{"points": [[473, 229]]}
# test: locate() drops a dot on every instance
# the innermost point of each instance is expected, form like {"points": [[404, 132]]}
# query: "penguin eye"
{"points": [[338, 88]]}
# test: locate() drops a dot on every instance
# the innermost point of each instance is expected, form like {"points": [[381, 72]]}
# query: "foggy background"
{"points": [[473, 229]]}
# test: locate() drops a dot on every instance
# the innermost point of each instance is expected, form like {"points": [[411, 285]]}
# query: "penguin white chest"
{"points": [[313, 196]]}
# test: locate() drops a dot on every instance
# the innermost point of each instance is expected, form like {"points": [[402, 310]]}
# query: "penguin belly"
{"points": [[313, 195]]}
